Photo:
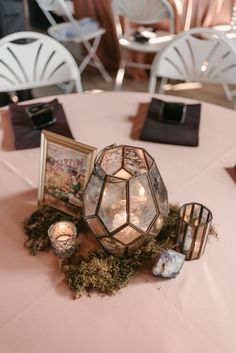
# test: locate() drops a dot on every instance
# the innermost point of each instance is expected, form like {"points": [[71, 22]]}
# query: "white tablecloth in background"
{"points": [[196, 312]]}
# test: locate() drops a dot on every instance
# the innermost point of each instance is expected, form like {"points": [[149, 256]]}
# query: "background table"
{"points": [[196, 312]]}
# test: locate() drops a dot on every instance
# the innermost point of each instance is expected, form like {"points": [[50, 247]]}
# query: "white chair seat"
{"points": [[85, 31], [151, 46], [145, 14], [77, 31]]}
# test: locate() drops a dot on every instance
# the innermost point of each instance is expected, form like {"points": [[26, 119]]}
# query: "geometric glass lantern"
{"points": [[193, 227], [124, 199]]}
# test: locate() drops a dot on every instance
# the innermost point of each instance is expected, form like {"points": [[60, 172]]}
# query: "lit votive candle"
{"points": [[193, 229], [63, 238]]}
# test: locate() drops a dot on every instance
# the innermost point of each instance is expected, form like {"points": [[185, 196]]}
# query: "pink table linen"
{"points": [[196, 312]]}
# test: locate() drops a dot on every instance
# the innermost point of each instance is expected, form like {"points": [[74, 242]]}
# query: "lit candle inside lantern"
{"points": [[63, 238]]}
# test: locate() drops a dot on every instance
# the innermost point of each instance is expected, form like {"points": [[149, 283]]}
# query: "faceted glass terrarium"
{"points": [[125, 199]]}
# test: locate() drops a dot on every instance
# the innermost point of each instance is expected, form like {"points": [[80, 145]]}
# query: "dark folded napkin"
{"points": [[149, 126], [25, 135], [232, 172]]}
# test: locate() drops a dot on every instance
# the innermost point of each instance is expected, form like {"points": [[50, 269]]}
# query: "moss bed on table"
{"points": [[97, 270]]}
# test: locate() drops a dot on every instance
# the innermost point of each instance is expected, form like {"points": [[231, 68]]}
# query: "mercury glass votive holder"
{"points": [[193, 228], [63, 238]]}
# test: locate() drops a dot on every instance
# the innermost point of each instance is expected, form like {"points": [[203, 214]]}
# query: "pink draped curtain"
{"points": [[201, 13], [101, 10], [188, 14]]}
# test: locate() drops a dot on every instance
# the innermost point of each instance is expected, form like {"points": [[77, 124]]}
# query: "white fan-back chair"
{"points": [[210, 58], [86, 31], [141, 12], [37, 60]]}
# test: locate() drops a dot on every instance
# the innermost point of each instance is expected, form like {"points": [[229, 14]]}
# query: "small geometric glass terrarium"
{"points": [[125, 199], [192, 230]]}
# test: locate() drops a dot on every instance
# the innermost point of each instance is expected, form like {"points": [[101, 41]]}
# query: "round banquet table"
{"points": [[195, 312]]}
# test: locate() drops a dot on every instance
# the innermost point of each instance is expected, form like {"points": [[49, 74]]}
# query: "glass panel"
{"points": [[127, 235], [204, 217], [98, 171], [198, 241], [142, 207], [96, 227], [149, 159], [186, 212], [112, 246], [195, 214], [91, 195], [159, 190], [112, 209], [180, 235], [157, 226], [188, 239], [207, 227], [123, 174], [113, 179], [112, 160], [134, 161], [134, 246], [192, 213]]}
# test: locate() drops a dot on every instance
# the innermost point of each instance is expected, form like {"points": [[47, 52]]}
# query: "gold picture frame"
{"points": [[65, 167]]}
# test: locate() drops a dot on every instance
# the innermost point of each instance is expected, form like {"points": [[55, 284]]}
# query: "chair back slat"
{"points": [[39, 61], [200, 54]]}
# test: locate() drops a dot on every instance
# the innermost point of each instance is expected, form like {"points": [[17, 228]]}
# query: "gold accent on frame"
{"points": [[65, 167]]}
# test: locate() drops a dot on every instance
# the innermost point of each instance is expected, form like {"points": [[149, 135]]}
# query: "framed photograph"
{"points": [[64, 171]]}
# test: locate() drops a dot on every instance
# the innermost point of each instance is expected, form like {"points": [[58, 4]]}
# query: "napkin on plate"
{"points": [[148, 127], [25, 136]]}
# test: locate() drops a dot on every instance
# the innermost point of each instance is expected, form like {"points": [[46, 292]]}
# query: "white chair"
{"points": [[142, 12], [198, 55], [230, 28], [85, 31], [60, 10], [30, 60]]}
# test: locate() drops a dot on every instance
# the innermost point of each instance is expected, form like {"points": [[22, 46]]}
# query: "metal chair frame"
{"points": [[141, 12], [90, 40]]}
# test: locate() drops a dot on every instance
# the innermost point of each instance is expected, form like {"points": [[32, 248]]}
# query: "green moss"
{"points": [[36, 227], [107, 273], [98, 270]]}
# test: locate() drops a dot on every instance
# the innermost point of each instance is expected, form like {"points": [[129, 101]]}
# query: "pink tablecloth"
{"points": [[196, 312]]}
